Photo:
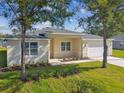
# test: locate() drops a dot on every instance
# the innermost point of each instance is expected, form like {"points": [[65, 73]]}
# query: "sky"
{"points": [[71, 24]]}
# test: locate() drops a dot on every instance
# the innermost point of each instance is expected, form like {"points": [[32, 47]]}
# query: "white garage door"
{"points": [[95, 49]]}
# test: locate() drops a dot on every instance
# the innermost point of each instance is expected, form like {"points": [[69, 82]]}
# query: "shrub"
{"points": [[35, 77]]}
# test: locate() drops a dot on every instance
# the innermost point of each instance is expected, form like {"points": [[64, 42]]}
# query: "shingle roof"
{"points": [[61, 31], [90, 36], [57, 30], [118, 37], [27, 36]]}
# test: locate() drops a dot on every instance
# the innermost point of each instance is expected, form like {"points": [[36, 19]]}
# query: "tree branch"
{"points": [[11, 8]]}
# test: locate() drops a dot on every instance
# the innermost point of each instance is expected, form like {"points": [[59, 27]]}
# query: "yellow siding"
{"points": [[77, 47], [56, 48], [51, 48]]}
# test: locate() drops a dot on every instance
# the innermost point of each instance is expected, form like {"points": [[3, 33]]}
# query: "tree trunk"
{"points": [[23, 75], [105, 50]]}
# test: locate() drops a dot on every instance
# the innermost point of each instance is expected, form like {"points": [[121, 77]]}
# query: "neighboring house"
{"points": [[118, 41], [52, 43]]}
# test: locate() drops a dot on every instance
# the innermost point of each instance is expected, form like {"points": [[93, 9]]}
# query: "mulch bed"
{"points": [[17, 68]]}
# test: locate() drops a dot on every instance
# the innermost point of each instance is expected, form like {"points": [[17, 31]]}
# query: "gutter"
{"points": [[26, 38], [80, 34], [96, 39]]}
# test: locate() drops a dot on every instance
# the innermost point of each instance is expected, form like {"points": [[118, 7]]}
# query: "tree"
{"points": [[2, 35], [22, 14], [104, 20], [15, 31]]}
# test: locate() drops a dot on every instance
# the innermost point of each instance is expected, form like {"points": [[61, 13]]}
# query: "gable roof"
{"points": [[90, 36], [59, 31], [118, 37], [18, 37]]}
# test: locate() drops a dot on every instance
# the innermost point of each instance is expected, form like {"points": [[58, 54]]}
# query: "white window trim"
{"points": [[66, 46], [30, 48]]}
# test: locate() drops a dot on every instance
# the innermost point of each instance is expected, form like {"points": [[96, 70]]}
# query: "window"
{"points": [[65, 46], [27, 48], [68, 46], [31, 48]]}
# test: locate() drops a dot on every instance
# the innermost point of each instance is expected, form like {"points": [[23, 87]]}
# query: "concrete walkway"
{"points": [[55, 62], [111, 60]]}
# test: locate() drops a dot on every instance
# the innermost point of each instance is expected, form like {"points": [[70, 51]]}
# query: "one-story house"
{"points": [[118, 41], [50, 43]]}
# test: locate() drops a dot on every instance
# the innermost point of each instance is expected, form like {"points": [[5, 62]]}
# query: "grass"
{"points": [[91, 79], [2, 49], [118, 53], [3, 59]]}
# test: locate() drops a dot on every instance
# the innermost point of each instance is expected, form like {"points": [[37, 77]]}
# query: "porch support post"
{"points": [[48, 51], [81, 49]]}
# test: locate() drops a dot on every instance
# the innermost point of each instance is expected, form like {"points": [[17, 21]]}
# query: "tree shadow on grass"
{"points": [[82, 69], [60, 71]]}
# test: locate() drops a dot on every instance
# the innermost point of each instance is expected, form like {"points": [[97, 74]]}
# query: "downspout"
{"points": [[49, 46]]}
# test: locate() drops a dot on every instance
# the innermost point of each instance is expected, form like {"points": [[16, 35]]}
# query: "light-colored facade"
{"points": [[56, 46], [14, 52]]}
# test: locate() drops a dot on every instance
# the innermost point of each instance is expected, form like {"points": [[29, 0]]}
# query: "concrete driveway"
{"points": [[113, 60]]}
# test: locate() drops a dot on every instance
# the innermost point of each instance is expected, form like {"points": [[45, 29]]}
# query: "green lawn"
{"points": [[91, 79], [118, 53], [2, 49], [3, 59]]}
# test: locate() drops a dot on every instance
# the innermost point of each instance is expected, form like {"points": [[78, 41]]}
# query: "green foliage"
{"points": [[118, 53], [3, 49], [29, 12], [49, 73], [3, 57], [91, 79], [23, 14], [104, 17], [15, 31]]}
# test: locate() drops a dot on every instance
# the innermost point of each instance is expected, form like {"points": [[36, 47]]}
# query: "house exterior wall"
{"points": [[14, 52], [77, 47], [56, 48], [84, 49], [117, 44], [52, 48]]}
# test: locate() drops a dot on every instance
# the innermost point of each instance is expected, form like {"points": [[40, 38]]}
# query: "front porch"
{"points": [[66, 48]]}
